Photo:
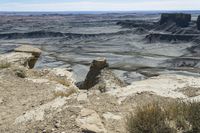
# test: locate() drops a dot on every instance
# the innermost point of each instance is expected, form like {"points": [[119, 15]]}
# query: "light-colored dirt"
{"points": [[29, 105]]}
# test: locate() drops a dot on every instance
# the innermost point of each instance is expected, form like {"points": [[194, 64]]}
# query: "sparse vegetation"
{"points": [[4, 64], [20, 73], [63, 81], [172, 117], [66, 93], [148, 119], [194, 116]]}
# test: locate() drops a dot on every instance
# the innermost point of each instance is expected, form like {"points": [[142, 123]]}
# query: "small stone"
{"points": [[82, 97], [109, 116], [57, 124], [1, 100]]}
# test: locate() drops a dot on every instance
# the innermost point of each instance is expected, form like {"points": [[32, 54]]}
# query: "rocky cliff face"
{"points": [[180, 19], [198, 22]]}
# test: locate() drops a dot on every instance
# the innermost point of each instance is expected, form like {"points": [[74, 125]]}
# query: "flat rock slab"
{"points": [[28, 49]]}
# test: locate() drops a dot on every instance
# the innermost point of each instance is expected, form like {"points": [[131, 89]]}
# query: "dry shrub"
{"points": [[4, 64], [194, 116], [171, 117], [65, 93], [63, 81], [185, 115], [148, 119], [20, 73], [176, 112]]}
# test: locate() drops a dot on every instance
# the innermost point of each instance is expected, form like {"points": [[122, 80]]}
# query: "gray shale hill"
{"points": [[47, 100]]}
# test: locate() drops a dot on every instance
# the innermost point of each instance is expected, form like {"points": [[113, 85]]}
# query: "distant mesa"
{"points": [[180, 19], [198, 22]]}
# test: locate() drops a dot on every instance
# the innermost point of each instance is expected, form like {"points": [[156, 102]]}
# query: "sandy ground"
{"points": [[30, 104]]}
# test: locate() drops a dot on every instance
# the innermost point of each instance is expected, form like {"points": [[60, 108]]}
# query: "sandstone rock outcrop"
{"points": [[18, 59], [29, 49], [198, 22], [24, 55], [180, 19], [100, 77]]}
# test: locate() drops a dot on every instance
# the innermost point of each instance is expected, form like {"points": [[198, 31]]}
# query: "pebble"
{"points": [[1, 100], [57, 125]]}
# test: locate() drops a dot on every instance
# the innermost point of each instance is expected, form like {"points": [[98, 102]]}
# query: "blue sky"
{"points": [[97, 5]]}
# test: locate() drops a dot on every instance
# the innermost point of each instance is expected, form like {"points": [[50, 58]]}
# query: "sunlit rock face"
{"points": [[180, 19]]}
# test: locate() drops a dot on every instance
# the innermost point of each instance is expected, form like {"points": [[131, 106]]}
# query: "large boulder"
{"points": [[198, 22], [100, 77], [180, 19]]}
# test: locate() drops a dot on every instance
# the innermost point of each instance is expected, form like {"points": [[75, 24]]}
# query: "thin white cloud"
{"points": [[104, 6]]}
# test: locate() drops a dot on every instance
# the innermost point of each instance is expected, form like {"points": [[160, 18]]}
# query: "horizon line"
{"points": [[104, 10]]}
